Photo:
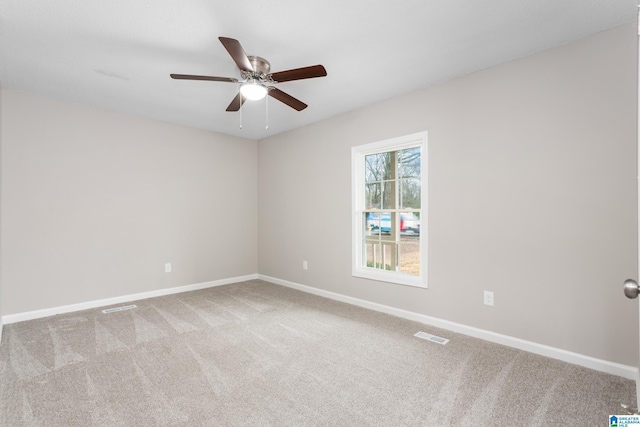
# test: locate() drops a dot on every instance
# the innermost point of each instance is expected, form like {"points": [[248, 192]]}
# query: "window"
{"points": [[389, 181]]}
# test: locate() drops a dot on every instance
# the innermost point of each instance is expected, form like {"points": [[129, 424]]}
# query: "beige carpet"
{"points": [[258, 354]]}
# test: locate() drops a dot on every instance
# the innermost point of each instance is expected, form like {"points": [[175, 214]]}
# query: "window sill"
{"points": [[390, 277]]}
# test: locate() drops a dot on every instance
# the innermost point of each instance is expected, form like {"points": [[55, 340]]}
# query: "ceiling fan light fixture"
{"points": [[253, 90]]}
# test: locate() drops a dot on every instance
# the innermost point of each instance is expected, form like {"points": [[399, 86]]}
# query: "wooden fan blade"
{"points": [[211, 78], [236, 51], [236, 103], [299, 73], [287, 99]]}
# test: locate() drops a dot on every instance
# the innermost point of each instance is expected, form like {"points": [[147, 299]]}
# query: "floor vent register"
{"points": [[116, 309], [432, 338]]}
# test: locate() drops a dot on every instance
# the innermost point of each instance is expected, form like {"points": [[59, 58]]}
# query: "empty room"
{"points": [[356, 213]]}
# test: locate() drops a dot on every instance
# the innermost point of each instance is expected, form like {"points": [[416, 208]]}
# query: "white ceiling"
{"points": [[118, 54]]}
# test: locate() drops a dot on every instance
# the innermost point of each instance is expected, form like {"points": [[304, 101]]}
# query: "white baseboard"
{"points": [[37, 314], [612, 368]]}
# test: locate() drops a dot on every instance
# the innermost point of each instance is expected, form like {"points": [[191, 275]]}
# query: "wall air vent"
{"points": [[432, 338]]}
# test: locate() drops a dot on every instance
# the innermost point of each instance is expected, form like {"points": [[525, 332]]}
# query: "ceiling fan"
{"points": [[257, 78]]}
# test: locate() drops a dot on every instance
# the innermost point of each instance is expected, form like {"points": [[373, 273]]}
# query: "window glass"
{"points": [[409, 163], [410, 192], [373, 196]]}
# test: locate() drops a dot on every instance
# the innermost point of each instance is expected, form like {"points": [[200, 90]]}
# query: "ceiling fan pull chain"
{"points": [[240, 111], [267, 107]]}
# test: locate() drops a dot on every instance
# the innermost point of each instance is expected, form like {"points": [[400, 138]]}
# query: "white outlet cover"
{"points": [[488, 298], [167, 268]]}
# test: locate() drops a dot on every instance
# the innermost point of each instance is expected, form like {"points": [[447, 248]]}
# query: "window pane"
{"points": [[381, 256], [371, 223], [409, 224], [373, 196], [410, 189], [371, 168], [409, 163], [410, 257], [380, 225], [389, 259], [369, 254], [389, 195], [377, 167], [373, 255]]}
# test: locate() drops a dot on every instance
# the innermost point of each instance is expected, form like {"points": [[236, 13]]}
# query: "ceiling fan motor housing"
{"points": [[261, 68]]}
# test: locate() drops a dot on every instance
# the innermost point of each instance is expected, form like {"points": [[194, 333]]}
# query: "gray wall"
{"points": [[1, 297], [532, 195], [95, 203]]}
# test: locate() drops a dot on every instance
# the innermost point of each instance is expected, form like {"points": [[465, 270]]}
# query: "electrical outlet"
{"points": [[167, 267], [305, 265], [488, 298]]}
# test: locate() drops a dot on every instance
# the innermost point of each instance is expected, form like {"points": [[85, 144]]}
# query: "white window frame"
{"points": [[358, 154]]}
